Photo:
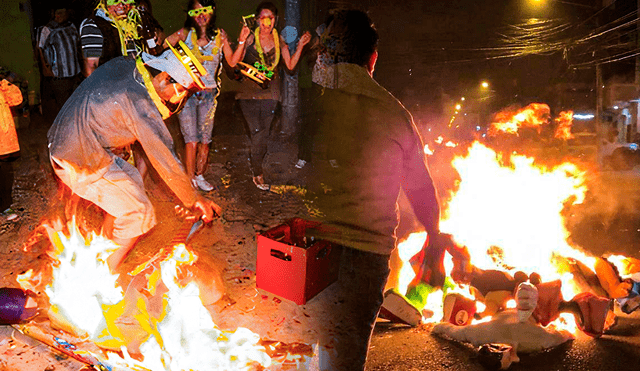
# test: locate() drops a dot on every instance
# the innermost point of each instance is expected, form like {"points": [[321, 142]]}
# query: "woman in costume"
{"points": [[209, 44], [263, 50]]}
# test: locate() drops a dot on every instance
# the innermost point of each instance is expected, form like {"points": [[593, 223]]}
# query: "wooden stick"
{"points": [[62, 346]]}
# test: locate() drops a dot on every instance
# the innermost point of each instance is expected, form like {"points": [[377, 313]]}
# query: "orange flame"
{"points": [[165, 324], [564, 122], [507, 210], [509, 121]]}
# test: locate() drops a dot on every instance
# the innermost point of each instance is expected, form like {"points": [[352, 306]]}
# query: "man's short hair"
{"points": [[350, 36]]}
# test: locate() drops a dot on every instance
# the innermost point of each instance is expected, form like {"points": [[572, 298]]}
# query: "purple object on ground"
{"points": [[12, 302]]}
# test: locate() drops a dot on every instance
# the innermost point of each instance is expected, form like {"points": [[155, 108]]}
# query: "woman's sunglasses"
{"points": [[116, 2], [203, 10]]}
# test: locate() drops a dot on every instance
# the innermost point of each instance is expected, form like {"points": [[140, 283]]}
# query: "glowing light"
{"points": [[585, 116]]}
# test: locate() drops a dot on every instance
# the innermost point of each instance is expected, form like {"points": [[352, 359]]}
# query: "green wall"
{"points": [[16, 53], [15, 43]]}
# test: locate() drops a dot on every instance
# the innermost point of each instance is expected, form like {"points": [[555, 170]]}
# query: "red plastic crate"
{"points": [[293, 272]]}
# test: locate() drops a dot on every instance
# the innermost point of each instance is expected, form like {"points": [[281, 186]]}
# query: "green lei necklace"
{"points": [[196, 49], [276, 41]]}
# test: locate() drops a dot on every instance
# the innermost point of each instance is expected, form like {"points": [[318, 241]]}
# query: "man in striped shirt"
{"points": [[58, 49], [102, 34]]}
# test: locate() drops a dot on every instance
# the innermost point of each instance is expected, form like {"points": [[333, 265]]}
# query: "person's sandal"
{"points": [[259, 182]]}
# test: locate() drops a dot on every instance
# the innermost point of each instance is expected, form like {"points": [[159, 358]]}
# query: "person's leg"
{"points": [[190, 150], [6, 185], [140, 159], [252, 110], [309, 126], [188, 126], [205, 114], [120, 193], [353, 309], [202, 158], [62, 90]]}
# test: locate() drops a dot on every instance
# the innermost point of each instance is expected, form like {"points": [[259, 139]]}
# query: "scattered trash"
{"points": [[9, 214], [496, 356]]}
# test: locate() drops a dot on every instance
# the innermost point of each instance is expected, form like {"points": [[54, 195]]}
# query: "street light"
{"points": [[543, 2], [484, 84]]}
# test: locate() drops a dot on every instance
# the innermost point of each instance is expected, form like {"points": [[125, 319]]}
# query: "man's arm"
{"points": [[91, 41], [418, 185], [179, 35], [46, 67], [157, 144], [89, 65], [44, 64]]}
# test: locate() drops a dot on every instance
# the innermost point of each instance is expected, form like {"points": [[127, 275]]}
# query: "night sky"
{"points": [[434, 49]]}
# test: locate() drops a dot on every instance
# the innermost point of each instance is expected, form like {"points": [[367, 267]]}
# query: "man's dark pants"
{"points": [[352, 304]]}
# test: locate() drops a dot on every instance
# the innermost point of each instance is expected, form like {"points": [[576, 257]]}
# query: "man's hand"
{"points": [[202, 208], [207, 208]]}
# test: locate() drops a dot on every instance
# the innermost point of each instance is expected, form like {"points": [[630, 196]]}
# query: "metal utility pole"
{"points": [[291, 94]]}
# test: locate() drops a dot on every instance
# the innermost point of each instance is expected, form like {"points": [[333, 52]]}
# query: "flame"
{"points": [[427, 150], [507, 210], [177, 334], [564, 122], [626, 266], [509, 121]]}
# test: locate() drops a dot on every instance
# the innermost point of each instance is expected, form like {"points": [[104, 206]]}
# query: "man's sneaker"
{"points": [[300, 164], [199, 182], [259, 182], [397, 308]]}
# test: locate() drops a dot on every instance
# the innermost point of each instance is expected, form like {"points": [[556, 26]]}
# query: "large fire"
{"points": [[158, 323], [508, 210]]}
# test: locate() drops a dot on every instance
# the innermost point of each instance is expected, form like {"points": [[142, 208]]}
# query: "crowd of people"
{"points": [[114, 89]]}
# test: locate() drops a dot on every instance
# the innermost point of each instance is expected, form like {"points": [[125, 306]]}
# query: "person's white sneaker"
{"points": [[397, 308], [201, 183], [259, 182], [300, 164]]}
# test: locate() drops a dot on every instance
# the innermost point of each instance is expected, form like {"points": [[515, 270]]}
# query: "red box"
{"points": [[295, 272]]}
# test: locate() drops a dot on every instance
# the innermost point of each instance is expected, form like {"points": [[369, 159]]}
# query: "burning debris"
{"points": [[157, 323], [535, 116], [511, 276]]}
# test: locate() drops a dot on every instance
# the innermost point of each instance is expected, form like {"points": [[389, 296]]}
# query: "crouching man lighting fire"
{"points": [[124, 101]]}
